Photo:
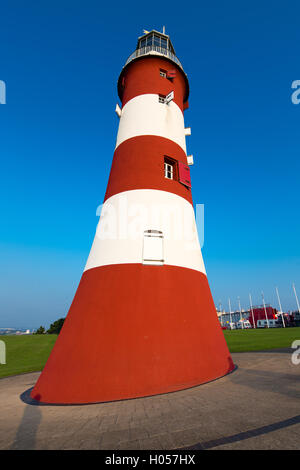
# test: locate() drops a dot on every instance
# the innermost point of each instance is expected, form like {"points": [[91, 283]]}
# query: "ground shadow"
{"points": [[277, 350], [283, 383], [25, 438], [245, 435], [26, 398]]}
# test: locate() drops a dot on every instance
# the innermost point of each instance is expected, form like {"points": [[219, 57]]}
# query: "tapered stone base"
{"points": [[133, 331]]}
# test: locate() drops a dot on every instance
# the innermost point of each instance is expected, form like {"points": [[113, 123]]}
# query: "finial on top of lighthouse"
{"points": [[145, 31]]}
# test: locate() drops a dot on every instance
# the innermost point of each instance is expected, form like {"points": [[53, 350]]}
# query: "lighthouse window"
{"points": [[164, 43], [170, 168], [161, 99], [163, 73], [149, 40], [169, 171], [157, 41], [153, 247]]}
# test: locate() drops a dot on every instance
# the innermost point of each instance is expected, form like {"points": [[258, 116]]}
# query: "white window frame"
{"points": [[169, 170], [169, 97]]}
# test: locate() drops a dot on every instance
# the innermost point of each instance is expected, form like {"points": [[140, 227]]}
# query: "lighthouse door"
{"points": [[153, 249]]}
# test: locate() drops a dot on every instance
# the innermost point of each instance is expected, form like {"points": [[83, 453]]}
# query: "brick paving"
{"points": [[255, 407]]}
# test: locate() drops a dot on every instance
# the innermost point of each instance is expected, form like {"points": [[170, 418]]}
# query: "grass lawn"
{"points": [[259, 339], [30, 353], [26, 353]]}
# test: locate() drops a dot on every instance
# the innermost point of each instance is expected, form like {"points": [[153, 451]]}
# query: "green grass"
{"points": [[259, 339], [26, 353], [30, 353]]}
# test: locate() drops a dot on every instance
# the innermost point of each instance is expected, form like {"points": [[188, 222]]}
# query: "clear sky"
{"points": [[60, 60]]}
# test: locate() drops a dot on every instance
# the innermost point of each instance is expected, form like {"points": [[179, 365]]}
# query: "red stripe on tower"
{"points": [[143, 320]]}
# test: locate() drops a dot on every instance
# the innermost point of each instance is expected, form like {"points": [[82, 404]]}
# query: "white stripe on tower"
{"points": [[127, 215], [144, 115]]}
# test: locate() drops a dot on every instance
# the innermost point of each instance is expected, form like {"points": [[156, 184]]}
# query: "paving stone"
{"points": [[256, 407]]}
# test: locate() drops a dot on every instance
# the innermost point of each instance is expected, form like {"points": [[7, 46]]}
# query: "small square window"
{"points": [[161, 99], [169, 171], [170, 168], [163, 73]]}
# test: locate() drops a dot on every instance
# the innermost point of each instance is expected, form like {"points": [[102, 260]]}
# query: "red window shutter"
{"points": [[184, 174], [171, 73]]}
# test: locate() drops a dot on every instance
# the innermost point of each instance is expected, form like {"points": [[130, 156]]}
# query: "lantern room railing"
{"points": [[159, 50]]}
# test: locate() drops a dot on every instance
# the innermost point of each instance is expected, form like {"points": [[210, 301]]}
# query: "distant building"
{"points": [[225, 318], [14, 331], [259, 313], [262, 313]]}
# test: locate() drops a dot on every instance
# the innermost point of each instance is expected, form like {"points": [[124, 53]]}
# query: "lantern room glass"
{"points": [[155, 39], [154, 42]]}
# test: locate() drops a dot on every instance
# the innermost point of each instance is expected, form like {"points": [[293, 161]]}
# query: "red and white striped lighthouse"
{"points": [[143, 320]]}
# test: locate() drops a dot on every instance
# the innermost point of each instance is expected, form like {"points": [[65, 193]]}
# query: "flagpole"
{"points": [[294, 288], [283, 321], [252, 310], [262, 294], [220, 307], [240, 313], [230, 317]]}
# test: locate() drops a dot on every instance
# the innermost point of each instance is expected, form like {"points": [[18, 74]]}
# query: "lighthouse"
{"points": [[143, 321]]}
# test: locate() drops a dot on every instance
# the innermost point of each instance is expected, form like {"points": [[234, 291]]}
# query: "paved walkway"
{"points": [[255, 407]]}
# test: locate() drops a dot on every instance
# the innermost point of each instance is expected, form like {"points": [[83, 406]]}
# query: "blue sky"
{"points": [[60, 61]]}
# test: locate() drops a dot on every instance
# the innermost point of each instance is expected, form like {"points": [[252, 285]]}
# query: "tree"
{"points": [[56, 327], [40, 331]]}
